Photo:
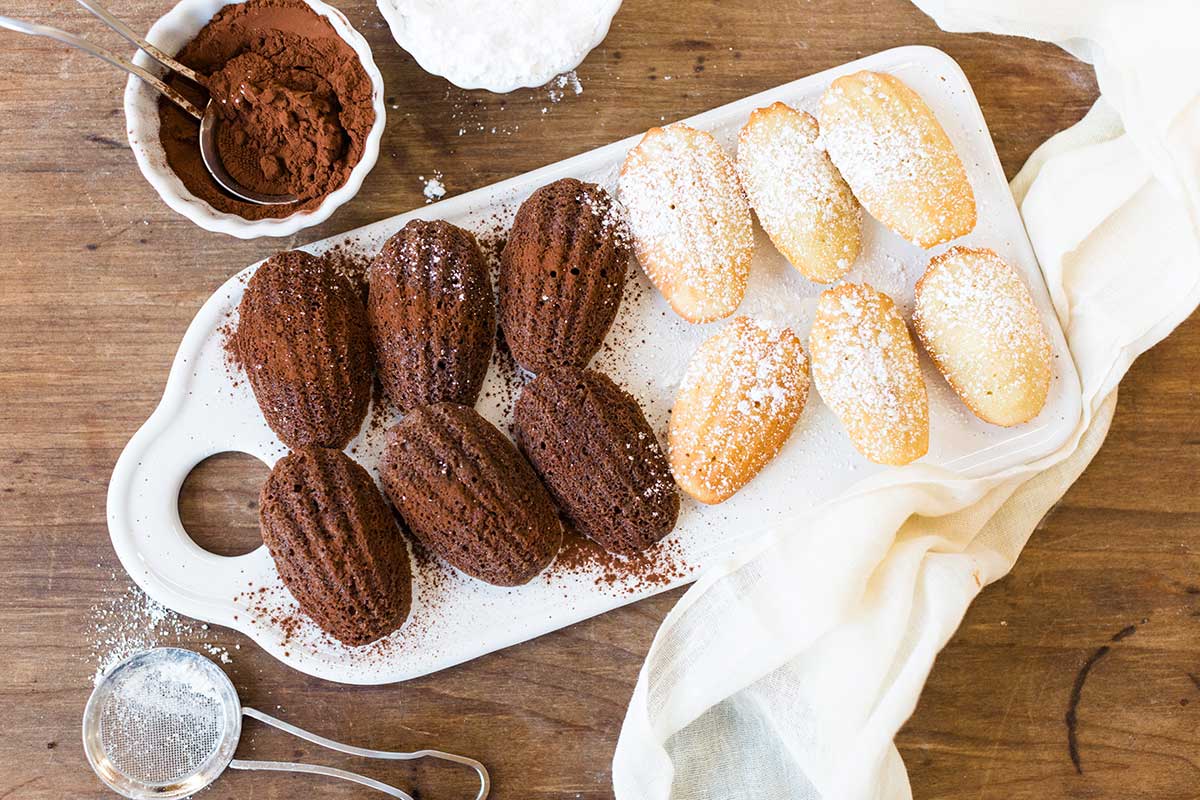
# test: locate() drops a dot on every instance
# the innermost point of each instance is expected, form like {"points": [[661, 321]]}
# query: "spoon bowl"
{"points": [[210, 121]]}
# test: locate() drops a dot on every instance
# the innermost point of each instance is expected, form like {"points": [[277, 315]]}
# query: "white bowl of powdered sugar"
{"points": [[498, 46]]}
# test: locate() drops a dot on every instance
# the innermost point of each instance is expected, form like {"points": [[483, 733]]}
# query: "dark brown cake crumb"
{"points": [[432, 315], [336, 545], [302, 340], [468, 495], [561, 275]]}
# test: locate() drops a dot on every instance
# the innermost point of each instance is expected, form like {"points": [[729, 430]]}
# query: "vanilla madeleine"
{"points": [[691, 225], [977, 320], [896, 157], [737, 405]]}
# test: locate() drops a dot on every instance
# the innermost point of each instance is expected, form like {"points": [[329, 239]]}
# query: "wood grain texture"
{"points": [[98, 280]]}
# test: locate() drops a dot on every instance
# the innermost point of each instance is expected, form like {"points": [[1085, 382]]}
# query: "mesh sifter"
{"points": [[165, 723]]}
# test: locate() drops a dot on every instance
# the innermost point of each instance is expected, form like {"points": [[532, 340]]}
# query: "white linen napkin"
{"points": [[786, 672]]}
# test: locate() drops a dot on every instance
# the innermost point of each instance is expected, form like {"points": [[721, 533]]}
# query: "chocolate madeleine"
{"points": [[469, 496], [561, 275], [591, 444], [302, 339], [432, 315], [336, 545]]}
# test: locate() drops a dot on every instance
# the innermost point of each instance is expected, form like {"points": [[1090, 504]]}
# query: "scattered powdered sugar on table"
{"points": [[434, 188], [559, 86], [131, 623], [473, 112]]}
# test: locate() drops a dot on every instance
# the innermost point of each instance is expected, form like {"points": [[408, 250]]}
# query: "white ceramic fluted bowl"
{"points": [[175, 29], [499, 58]]}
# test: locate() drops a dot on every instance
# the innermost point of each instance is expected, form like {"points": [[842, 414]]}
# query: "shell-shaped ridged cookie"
{"points": [[977, 320], [866, 370], [336, 545], [561, 275], [690, 221], [302, 339], [599, 457], [468, 495], [739, 400], [801, 200], [432, 315], [898, 160]]}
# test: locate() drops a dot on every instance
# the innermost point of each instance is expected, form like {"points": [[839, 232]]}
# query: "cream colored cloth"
{"points": [[786, 672]]}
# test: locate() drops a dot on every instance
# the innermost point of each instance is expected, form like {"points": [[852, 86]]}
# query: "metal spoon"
{"points": [[209, 119]]}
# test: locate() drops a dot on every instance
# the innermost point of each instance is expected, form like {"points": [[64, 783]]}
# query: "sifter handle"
{"points": [[485, 782]]}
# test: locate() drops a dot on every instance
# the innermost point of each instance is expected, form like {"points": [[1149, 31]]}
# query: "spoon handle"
{"points": [[124, 63], [124, 30]]}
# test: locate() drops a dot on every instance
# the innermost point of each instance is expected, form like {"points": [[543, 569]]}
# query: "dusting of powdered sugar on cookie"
{"points": [[801, 200], [896, 157], [738, 401], [867, 372], [690, 220], [974, 303]]}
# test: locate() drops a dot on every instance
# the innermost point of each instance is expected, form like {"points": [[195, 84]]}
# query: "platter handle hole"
{"points": [[218, 503]]}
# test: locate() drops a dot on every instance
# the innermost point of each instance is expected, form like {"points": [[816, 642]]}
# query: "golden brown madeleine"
{"points": [[738, 402], [302, 339], [561, 275], [801, 200], [689, 219], [599, 457], [978, 322], [867, 372], [896, 157], [468, 495], [432, 315], [336, 545]]}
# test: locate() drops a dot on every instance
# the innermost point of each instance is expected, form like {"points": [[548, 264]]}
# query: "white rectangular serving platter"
{"points": [[207, 408]]}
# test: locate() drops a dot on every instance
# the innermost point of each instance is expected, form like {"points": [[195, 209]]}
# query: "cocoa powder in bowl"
{"points": [[295, 105]]}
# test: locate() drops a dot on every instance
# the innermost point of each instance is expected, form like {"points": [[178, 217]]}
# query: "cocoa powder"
{"points": [[295, 106]]}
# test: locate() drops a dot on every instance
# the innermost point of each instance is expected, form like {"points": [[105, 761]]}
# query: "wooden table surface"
{"points": [[98, 280]]}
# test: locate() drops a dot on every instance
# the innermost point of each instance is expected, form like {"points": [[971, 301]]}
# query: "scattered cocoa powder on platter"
{"points": [[655, 568]]}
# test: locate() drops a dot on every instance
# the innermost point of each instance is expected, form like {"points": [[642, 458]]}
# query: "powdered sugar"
{"points": [[162, 717], [743, 392], [983, 294], [980, 325], [867, 372], [131, 622], [901, 165], [611, 214], [801, 200], [434, 189], [568, 81], [690, 220]]}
